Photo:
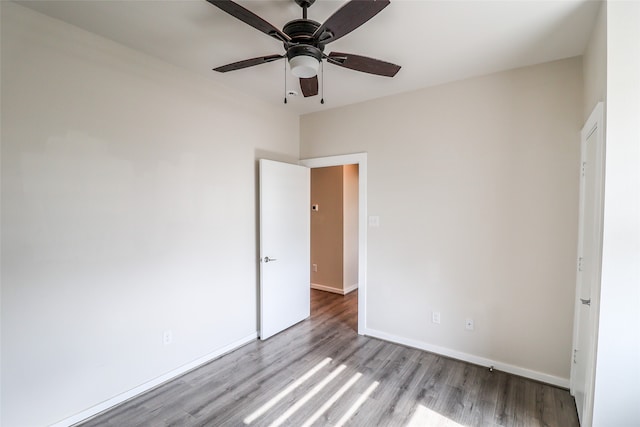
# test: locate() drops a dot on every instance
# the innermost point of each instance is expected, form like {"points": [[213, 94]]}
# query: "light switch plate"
{"points": [[435, 317]]}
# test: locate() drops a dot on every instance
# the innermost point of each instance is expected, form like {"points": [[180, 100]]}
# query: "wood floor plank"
{"points": [[412, 385]]}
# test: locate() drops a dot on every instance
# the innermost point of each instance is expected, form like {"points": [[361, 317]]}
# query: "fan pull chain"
{"points": [[285, 82], [322, 83]]}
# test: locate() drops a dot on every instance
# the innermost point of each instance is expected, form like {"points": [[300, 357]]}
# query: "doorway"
{"points": [[360, 161], [334, 229]]}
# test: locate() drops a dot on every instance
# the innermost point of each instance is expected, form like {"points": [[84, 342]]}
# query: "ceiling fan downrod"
{"points": [[304, 4]]}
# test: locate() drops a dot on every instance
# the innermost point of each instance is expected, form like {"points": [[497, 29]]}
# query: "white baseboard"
{"points": [[476, 360], [101, 407], [334, 290], [327, 288]]}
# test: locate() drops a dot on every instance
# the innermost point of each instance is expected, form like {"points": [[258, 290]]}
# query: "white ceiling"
{"points": [[434, 41]]}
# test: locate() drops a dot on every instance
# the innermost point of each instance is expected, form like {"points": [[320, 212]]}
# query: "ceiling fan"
{"points": [[304, 41]]}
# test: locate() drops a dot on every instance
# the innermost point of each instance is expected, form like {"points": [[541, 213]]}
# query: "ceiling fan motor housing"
{"points": [[301, 30], [304, 49]]}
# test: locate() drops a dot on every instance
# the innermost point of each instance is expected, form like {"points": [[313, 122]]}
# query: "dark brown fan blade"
{"points": [[248, 63], [364, 64], [309, 86], [348, 18], [248, 17]]}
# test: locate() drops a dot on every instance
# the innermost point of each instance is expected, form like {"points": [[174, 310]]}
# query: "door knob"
{"points": [[267, 259], [586, 301]]}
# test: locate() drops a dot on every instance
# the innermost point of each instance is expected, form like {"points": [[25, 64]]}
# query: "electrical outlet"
{"points": [[314, 267], [167, 337], [468, 324], [435, 317]]}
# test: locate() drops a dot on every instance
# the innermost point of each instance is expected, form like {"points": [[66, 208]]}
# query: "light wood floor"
{"points": [[320, 371]]}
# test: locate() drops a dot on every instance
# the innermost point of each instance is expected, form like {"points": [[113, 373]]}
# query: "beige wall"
{"points": [[476, 187], [128, 208], [327, 226]]}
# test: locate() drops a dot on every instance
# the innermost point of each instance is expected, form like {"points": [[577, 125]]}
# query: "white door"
{"points": [[284, 246], [589, 263]]}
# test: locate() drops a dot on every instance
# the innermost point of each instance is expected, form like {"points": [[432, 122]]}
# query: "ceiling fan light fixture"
{"points": [[304, 60], [304, 66]]}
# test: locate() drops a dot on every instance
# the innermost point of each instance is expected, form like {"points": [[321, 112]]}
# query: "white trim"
{"points": [[108, 404], [359, 159], [470, 358], [334, 290]]}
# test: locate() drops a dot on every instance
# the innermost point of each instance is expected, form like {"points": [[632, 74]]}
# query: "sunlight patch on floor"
{"points": [[315, 390], [424, 416], [333, 399], [321, 383], [352, 410], [264, 408]]}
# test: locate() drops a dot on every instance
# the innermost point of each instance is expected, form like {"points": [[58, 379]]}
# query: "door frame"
{"points": [[359, 159], [595, 123]]}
